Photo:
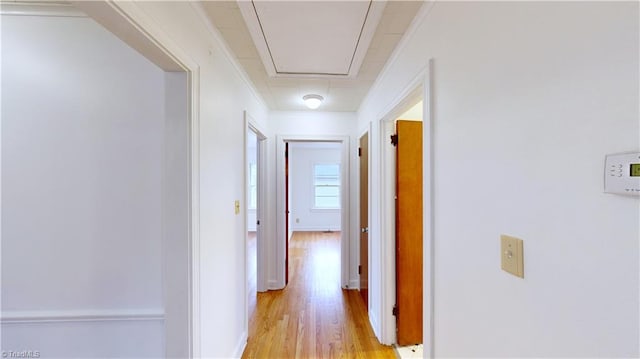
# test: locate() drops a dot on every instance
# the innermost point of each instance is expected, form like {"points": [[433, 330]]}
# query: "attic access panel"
{"points": [[312, 38]]}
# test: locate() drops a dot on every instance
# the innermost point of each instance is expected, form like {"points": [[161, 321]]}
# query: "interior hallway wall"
{"points": [[304, 216], [528, 98], [82, 157]]}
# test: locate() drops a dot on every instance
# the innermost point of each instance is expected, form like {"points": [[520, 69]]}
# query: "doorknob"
{"points": [[365, 230]]}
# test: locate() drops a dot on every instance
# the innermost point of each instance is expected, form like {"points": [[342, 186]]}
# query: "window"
{"points": [[326, 185], [253, 185]]}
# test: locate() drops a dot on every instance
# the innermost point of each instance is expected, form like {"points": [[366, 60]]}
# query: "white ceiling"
{"points": [[352, 42]]}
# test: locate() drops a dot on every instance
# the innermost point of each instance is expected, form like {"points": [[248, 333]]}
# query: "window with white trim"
{"points": [[326, 185]]}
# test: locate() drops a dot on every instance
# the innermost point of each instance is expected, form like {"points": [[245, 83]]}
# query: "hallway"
{"points": [[313, 317]]}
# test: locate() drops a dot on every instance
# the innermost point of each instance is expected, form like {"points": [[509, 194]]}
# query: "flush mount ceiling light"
{"points": [[313, 101]]}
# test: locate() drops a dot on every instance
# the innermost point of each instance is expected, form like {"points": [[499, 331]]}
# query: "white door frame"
{"points": [[388, 212], [261, 207], [251, 125], [281, 236], [419, 89], [428, 189]]}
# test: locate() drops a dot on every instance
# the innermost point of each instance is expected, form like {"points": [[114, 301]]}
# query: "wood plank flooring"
{"points": [[313, 317], [252, 261]]}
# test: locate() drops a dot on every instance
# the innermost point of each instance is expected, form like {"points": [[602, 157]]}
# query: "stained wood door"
{"points": [[363, 270], [409, 232], [286, 209]]}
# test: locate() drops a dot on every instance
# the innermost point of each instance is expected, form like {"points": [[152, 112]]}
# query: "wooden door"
{"points": [[409, 232], [286, 212], [363, 269]]}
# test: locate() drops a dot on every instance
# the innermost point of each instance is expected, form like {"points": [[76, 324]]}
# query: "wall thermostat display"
{"points": [[622, 173]]}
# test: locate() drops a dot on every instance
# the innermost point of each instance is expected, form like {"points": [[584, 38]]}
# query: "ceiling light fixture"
{"points": [[312, 101]]}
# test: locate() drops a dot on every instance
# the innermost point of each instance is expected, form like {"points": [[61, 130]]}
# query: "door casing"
{"points": [[261, 210], [363, 154], [421, 88], [348, 266]]}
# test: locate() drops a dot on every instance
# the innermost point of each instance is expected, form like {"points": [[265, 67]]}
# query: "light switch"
{"points": [[237, 207], [512, 254]]}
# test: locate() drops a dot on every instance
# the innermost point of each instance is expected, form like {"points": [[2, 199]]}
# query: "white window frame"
{"points": [[314, 186]]}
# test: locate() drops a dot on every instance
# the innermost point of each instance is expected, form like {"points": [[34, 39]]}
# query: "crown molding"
{"points": [[197, 6], [49, 9], [408, 35]]}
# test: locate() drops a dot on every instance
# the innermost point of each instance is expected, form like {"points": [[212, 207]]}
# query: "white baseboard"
{"points": [[242, 343], [373, 320], [354, 284], [273, 285], [47, 316]]}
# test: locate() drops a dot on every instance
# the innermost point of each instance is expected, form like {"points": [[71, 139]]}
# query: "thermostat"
{"points": [[622, 173]]}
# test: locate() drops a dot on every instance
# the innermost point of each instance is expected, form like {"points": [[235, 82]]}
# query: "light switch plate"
{"points": [[512, 254]]}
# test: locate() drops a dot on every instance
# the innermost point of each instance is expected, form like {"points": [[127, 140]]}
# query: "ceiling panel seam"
{"points": [[366, 17], [264, 36]]}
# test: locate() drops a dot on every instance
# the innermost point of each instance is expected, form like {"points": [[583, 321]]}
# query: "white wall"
{"points": [[302, 158], [527, 99], [312, 123], [82, 157], [223, 96]]}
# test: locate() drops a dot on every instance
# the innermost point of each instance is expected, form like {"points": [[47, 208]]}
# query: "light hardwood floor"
{"points": [[252, 259], [313, 317]]}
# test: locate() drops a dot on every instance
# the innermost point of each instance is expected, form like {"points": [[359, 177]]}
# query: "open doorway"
{"points": [[401, 145], [255, 159], [125, 182], [252, 219], [420, 90], [322, 204], [313, 195]]}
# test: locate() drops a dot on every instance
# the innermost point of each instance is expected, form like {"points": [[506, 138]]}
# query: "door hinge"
{"points": [[395, 310], [359, 269], [359, 151], [394, 139], [258, 222]]}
